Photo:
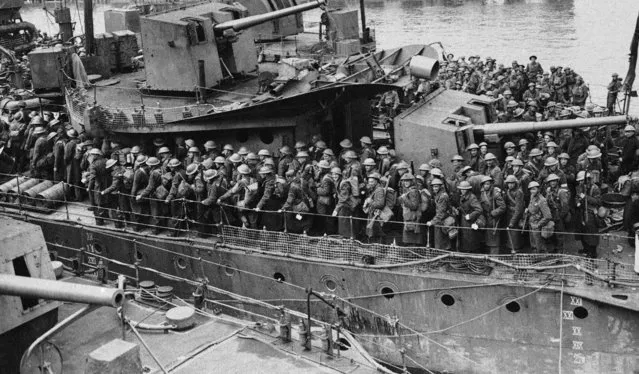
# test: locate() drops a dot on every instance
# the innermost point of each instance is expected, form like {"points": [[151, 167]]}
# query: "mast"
{"points": [[88, 26], [362, 14], [632, 65]]}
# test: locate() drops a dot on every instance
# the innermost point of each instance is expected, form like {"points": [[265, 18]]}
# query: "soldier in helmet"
{"points": [[383, 160], [317, 151], [269, 202], [98, 181], [164, 155], [443, 210], [587, 201], [243, 194], [326, 191], [629, 159], [210, 150], [538, 216], [176, 207], [300, 146], [243, 152], [300, 164], [551, 166], [346, 206], [252, 161], [59, 166], [192, 157], [514, 201], [263, 155], [39, 152], [219, 164], [558, 198], [410, 201], [367, 150], [232, 164], [524, 153], [613, 90], [329, 156], [388, 103], [476, 161], [592, 163], [352, 169], [492, 169], [139, 207], [297, 205], [471, 219], [535, 163], [112, 193], [157, 144], [373, 205], [216, 186], [494, 207], [155, 194], [286, 158]]}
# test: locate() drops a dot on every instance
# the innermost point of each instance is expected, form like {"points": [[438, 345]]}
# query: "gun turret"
{"points": [[39, 288], [246, 22]]}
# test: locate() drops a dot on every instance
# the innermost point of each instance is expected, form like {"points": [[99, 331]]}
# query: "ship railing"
{"points": [[292, 241]]}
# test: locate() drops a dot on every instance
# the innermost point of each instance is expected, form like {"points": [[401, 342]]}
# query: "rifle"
{"points": [[412, 167]]}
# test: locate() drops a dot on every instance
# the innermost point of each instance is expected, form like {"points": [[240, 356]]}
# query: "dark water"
{"points": [[590, 36]]}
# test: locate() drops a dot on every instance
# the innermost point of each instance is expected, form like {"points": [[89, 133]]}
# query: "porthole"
{"points": [[513, 307], [330, 285], [580, 312], [181, 263], [228, 270], [448, 300], [279, 277], [266, 136], [620, 297], [344, 345], [139, 256], [388, 292], [97, 248]]}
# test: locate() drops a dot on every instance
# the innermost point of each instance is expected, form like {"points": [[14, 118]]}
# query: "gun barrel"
{"points": [[15, 285], [246, 22], [521, 127]]}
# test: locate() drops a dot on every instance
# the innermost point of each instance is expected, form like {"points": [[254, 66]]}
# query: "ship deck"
{"points": [[218, 343]]}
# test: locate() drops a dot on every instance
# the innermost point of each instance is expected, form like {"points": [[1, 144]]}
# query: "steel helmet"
{"points": [[508, 92], [375, 175], [189, 143], [158, 142], [437, 181], [235, 158], [509, 145], [51, 135], [437, 172], [457, 158], [210, 144], [535, 152], [300, 144], [523, 141], [629, 128], [264, 152], [243, 151], [210, 174], [265, 170], [194, 150], [512, 104], [37, 120], [95, 152], [191, 169], [564, 156], [286, 150], [533, 184], [228, 147], [39, 130], [425, 167], [407, 177], [141, 159], [269, 161], [346, 143], [465, 169], [165, 150], [252, 156], [336, 170], [551, 161], [369, 162], [320, 144], [552, 177], [366, 140], [174, 163], [552, 144], [509, 159], [135, 149], [595, 153], [71, 133], [382, 150], [110, 162], [153, 161], [435, 163], [489, 156], [486, 178], [581, 175], [301, 154], [207, 163], [464, 185], [244, 169], [323, 164], [517, 162], [483, 144], [219, 160], [511, 179], [328, 152], [350, 154], [472, 146], [402, 165]]}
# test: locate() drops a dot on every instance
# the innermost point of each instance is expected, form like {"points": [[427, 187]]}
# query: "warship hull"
{"points": [[416, 313]]}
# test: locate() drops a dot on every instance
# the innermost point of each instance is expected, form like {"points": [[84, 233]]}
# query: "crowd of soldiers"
{"points": [[527, 92]]}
